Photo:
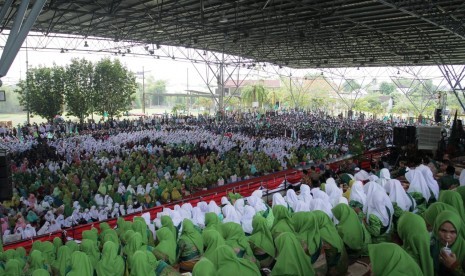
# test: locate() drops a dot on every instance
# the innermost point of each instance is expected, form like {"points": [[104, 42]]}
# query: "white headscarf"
{"points": [[378, 206], [278, 199], [362, 175], [291, 198], [462, 178], [305, 193], [230, 214], [246, 219], [140, 190], [225, 200], [357, 193], [384, 177], [369, 189], [333, 191], [29, 232], [302, 206], [256, 203], [417, 183], [198, 217], [239, 206], [398, 195], [319, 204], [430, 181], [121, 188], [213, 207]]}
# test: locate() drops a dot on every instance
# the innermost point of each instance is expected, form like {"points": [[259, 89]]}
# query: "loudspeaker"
{"points": [[411, 135], [400, 136], [438, 115], [6, 186]]}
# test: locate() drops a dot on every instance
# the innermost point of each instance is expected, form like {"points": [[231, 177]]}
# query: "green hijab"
{"points": [[204, 267], [140, 227], [328, 231], [228, 264], [48, 251], [40, 272], [212, 221], [234, 236], [80, 265], [350, 228], [306, 229], [13, 268], [73, 245], [212, 239], [36, 260], [191, 235], [91, 249], [261, 235], [21, 252], [390, 259], [37, 245], [111, 263], [461, 191], [134, 243], [458, 248], [454, 199], [104, 226], [434, 210], [291, 259], [282, 221], [141, 265], [110, 235], [90, 235], [63, 261], [416, 240], [167, 244], [57, 243], [166, 221]]}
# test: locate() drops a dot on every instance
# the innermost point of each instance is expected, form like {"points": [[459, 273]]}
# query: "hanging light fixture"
{"points": [[85, 44], [62, 50]]}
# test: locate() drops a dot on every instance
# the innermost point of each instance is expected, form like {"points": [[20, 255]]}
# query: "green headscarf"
{"points": [[140, 227], [37, 245], [461, 191], [40, 272], [228, 264], [134, 243], [166, 221], [48, 251], [126, 236], [80, 265], [234, 236], [453, 199], [212, 221], [141, 265], [111, 263], [32, 217], [328, 231], [390, 259], [282, 221], [306, 229], [57, 243], [458, 248], [212, 239], [261, 235], [291, 259], [191, 235], [36, 260], [110, 235], [63, 261], [90, 235], [13, 268], [167, 244], [21, 252], [204, 267], [350, 228], [434, 210], [416, 240], [73, 246], [91, 249], [104, 226]]}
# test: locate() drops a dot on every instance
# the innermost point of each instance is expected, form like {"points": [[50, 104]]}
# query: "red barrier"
{"points": [[245, 188]]}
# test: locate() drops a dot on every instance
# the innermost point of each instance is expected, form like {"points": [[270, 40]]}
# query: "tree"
{"points": [[155, 89], [387, 88], [79, 93], [42, 91], [350, 85], [254, 93], [113, 85]]}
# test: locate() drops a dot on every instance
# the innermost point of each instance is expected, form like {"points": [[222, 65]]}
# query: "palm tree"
{"points": [[254, 93]]}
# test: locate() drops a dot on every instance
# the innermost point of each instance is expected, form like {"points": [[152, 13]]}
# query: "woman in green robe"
{"points": [[111, 264], [80, 265], [63, 262], [282, 221], [261, 242], [190, 246], [234, 236], [140, 227], [90, 248], [350, 229], [73, 246], [13, 268], [447, 229], [336, 255], [453, 199], [308, 233], [212, 221], [167, 222], [48, 251], [389, 259], [40, 272], [36, 261], [411, 229], [146, 264], [228, 264], [134, 243], [212, 239], [291, 258], [166, 248], [204, 267], [90, 235], [57, 243]]}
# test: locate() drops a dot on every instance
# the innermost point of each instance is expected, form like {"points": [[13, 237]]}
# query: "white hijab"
{"points": [[378, 206], [417, 183], [246, 219], [430, 181], [398, 195], [369, 189], [213, 207], [302, 206], [29, 232], [384, 177], [320, 204], [357, 193], [231, 215], [362, 175], [278, 199], [239, 206], [256, 203], [198, 217], [291, 198], [305, 193], [333, 191], [462, 178], [225, 201]]}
